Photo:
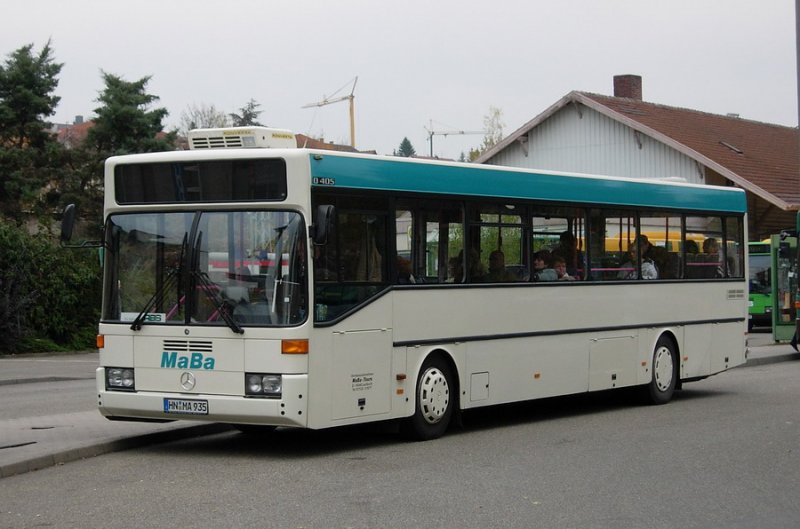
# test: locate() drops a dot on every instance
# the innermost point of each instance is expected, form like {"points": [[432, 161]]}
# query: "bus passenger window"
{"points": [[429, 240], [558, 232], [359, 238], [705, 234]]}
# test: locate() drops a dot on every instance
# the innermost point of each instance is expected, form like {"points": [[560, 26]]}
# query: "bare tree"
{"points": [[202, 116], [493, 125]]}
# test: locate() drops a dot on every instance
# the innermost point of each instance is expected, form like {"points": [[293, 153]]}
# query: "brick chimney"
{"points": [[629, 86]]}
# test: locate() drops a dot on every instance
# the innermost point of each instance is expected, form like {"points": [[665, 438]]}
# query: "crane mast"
{"points": [[326, 100]]}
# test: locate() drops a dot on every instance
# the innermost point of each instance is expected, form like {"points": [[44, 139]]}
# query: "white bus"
{"points": [[304, 288]]}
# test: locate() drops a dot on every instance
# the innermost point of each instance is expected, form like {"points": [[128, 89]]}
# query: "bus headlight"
{"points": [[120, 378], [262, 385]]}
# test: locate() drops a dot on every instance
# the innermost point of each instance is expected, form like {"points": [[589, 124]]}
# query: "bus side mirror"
{"points": [[323, 224], [67, 223]]}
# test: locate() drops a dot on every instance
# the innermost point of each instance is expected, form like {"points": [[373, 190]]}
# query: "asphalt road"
{"points": [[724, 454]]}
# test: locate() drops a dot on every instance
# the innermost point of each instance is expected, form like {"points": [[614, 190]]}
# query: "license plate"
{"points": [[186, 406]]}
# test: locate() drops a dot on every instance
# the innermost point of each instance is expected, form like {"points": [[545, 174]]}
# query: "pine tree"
{"points": [[29, 155], [124, 123], [27, 83], [406, 149], [248, 116]]}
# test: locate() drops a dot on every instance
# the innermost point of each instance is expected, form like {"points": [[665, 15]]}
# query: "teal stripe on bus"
{"points": [[483, 181]]}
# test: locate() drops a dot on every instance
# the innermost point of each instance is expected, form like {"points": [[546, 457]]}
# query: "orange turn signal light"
{"points": [[294, 347], [100, 341]]}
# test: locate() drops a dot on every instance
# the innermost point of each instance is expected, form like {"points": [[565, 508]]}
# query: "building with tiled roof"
{"points": [[308, 142], [73, 135], [626, 136]]}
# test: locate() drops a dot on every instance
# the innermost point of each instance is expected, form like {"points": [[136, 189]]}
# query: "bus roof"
{"points": [[393, 174], [403, 175]]}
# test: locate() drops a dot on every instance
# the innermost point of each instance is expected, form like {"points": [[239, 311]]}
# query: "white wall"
{"points": [[589, 142]]}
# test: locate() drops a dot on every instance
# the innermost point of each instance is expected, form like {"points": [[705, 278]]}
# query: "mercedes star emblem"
{"points": [[187, 381]]}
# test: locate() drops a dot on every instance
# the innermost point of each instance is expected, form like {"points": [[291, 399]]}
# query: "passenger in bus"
{"points": [[560, 266], [663, 260], [711, 246], [711, 251], [497, 269], [641, 246], [568, 249], [542, 267], [404, 276], [475, 269], [455, 270]]}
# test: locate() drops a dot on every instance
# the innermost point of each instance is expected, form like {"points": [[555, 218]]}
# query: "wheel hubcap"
{"points": [[663, 368], [434, 395]]}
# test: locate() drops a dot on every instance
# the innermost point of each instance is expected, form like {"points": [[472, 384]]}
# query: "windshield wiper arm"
{"points": [[158, 296], [209, 289]]}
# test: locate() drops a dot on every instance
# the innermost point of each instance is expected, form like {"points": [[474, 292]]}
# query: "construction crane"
{"points": [[327, 100], [432, 133]]}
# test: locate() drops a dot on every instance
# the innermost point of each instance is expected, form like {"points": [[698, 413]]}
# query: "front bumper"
{"points": [[289, 410]]}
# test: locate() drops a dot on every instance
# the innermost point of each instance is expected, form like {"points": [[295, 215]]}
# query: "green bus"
{"points": [[760, 260]]}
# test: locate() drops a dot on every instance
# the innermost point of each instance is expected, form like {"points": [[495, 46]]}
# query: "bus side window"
{"points": [[361, 238], [429, 239]]}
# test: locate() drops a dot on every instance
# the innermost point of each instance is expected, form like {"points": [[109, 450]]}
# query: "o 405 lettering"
{"points": [[322, 181]]}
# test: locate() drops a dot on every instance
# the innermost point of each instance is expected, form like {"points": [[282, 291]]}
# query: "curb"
{"points": [[774, 359], [105, 447], [9, 382]]}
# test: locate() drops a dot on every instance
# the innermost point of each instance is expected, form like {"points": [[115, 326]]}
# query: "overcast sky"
{"points": [[417, 61]]}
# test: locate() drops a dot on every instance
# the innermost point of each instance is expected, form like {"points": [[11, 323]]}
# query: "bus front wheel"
{"points": [[434, 402], [665, 372]]}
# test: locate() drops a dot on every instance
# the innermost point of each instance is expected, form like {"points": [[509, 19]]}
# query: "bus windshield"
{"points": [[760, 274], [234, 268]]}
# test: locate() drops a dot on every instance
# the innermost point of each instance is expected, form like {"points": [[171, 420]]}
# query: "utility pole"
{"points": [[432, 132], [327, 100]]}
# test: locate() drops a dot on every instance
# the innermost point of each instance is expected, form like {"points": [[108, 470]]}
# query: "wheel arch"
{"points": [[448, 358]]}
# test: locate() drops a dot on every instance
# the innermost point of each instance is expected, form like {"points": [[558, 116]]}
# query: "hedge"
{"points": [[49, 296]]}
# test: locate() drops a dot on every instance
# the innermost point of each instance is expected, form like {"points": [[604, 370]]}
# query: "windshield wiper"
{"points": [[211, 292], [210, 289], [158, 296]]}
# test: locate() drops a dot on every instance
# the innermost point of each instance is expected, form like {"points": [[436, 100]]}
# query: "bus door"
{"points": [[784, 286]]}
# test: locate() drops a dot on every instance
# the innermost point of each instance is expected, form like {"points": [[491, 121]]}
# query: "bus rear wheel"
{"points": [[434, 402], [665, 372]]}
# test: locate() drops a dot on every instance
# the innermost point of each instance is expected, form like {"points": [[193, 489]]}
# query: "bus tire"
{"points": [[665, 372], [434, 402]]}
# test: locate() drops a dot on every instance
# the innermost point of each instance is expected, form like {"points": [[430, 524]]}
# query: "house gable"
{"points": [[762, 158], [580, 139]]}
